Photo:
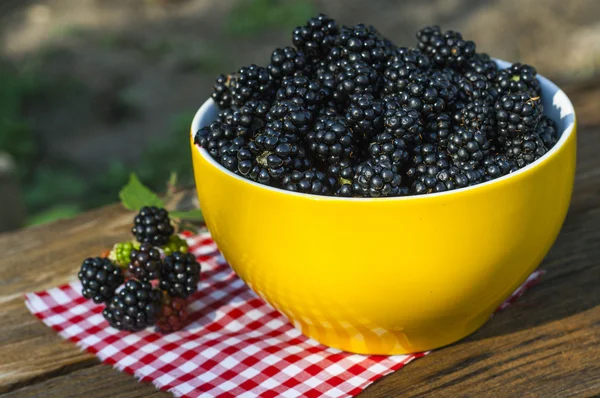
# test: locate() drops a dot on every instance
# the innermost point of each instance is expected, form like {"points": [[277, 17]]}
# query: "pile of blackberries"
{"points": [[158, 272], [346, 112]]}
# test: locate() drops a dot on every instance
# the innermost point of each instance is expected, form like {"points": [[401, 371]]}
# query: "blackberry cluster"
{"points": [[346, 112], [180, 274], [99, 278], [157, 258], [135, 307]]}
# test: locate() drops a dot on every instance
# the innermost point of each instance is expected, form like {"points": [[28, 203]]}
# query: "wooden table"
{"points": [[546, 345]]}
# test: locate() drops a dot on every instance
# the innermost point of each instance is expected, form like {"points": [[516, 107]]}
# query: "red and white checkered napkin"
{"points": [[236, 344]]}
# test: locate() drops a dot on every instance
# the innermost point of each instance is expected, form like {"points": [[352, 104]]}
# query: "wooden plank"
{"points": [[98, 381], [546, 345]]}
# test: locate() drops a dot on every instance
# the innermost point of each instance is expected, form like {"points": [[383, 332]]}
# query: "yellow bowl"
{"points": [[390, 275]]}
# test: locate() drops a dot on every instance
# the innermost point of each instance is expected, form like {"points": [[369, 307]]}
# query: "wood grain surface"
{"points": [[546, 345]]}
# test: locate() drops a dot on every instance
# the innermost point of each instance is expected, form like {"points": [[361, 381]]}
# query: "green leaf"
{"points": [[136, 195], [191, 215]]}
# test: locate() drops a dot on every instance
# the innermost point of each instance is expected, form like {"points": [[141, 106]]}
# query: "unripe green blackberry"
{"points": [[175, 244]]}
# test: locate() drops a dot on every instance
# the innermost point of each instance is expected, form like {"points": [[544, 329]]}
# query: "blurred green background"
{"points": [[91, 90]]}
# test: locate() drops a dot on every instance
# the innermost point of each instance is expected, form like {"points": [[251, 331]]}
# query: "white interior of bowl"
{"points": [[556, 104]]}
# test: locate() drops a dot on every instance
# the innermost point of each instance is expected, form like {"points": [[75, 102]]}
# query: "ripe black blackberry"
{"points": [[525, 148], [301, 87], [404, 123], [135, 307], [517, 114], [447, 49], [145, 262], [213, 137], [362, 43], [269, 156], [386, 146], [290, 117], [376, 178], [478, 115], [99, 279], [444, 179], [222, 92], [311, 181], [249, 118], [316, 37], [286, 62], [398, 75], [180, 274], [410, 56], [152, 225], [342, 172], [423, 96], [437, 129], [547, 131], [519, 78], [474, 86], [251, 82], [228, 153], [365, 115], [467, 145], [355, 78], [332, 140], [497, 166], [482, 64]]}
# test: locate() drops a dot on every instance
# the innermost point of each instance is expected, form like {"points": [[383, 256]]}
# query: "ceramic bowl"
{"points": [[390, 275]]}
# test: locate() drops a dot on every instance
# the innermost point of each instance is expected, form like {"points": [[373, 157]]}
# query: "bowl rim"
{"points": [[565, 107]]}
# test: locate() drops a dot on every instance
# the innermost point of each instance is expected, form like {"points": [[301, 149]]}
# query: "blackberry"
{"points": [[525, 149], [317, 36], [222, 92], [444, 82], [519, 78], [249, 118], [398, 75], [547, 131], [269, 156], [365, 115], [175, 244], [444, 179], [482, 64], [404, 123], [467, 145], [332, 140], [287, 62], [173, 315], [355, 78], [376, 178], [290, 117], [152, 225], [478, 115], [517, 114], [446, 49], [310, 181], [180, 274], [145, 262], [213, 137], [309, 91], [410, 56], [422, 95], [228, 153], [437, 129], [497, 166], [477, 87], [251, 82], [342, 172], [135, 307], [386, 146], [362, 43], [99, 279], [121, 251]]}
